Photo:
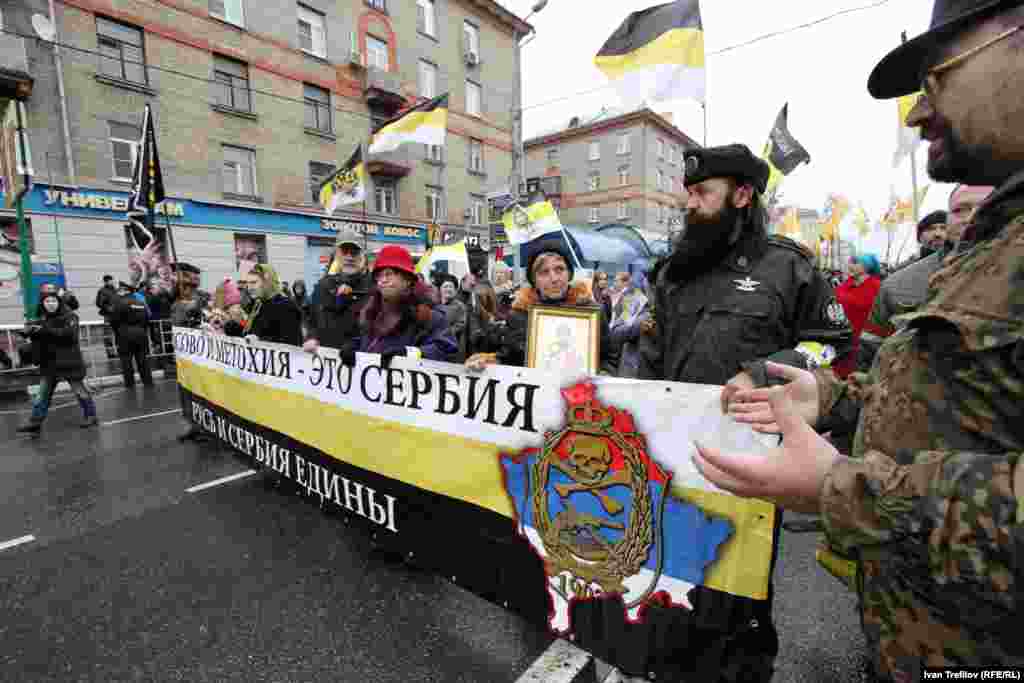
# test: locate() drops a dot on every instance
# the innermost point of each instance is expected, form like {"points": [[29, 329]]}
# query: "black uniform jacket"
{"points": [[759, 303]]}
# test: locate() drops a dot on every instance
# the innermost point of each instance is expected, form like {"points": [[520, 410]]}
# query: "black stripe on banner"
{"points": [[646, 26], [476, 548]]}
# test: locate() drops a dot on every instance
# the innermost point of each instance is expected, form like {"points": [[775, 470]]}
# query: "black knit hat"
{"points": [[548, 246], [934, 218]]}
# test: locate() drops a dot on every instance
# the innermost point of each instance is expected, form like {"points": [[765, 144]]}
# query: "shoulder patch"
{"points": [[792, 245], [834, 314]]}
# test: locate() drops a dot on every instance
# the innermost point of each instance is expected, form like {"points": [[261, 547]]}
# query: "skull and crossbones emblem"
{"points": [[589, 466]]}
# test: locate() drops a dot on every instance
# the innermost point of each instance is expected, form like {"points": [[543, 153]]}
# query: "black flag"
{"points": [[147, 179], [784, 152]]}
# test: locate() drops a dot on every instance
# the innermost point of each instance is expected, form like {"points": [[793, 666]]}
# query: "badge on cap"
{"points": [[692, 164]]}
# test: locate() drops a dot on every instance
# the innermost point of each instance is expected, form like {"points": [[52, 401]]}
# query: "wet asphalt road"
{"points": [[130, 578]]}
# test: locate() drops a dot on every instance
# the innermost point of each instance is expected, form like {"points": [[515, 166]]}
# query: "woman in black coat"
{"points": [[55, 348], [274, 317]]}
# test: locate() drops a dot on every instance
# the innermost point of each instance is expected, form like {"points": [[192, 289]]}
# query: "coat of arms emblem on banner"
{"points": [[594, 506]]}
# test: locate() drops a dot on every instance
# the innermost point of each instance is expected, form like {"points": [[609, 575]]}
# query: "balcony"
{"points": [[551, 186], [383, 90], [15, 81], [396, 164]]}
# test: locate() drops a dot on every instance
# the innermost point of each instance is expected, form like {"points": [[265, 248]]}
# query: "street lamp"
{"points": [[519, 156]]}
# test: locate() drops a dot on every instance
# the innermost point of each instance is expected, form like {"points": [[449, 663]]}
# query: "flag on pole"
{"points": [[835, 211], [657, 54], [447, 252], [147, 178], [783, 152], [908, 138], [526, 223], [425, 123], [791, 223], [860, 221], [346, 186]]}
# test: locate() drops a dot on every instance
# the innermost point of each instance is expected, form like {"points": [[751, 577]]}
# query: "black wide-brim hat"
{"points": [[899, 73]]}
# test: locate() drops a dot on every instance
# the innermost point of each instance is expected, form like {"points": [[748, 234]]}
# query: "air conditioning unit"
{"points": [[472, 58], [356, 59], [468, 213]]}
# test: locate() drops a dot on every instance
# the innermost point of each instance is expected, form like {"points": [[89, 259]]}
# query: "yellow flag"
{"points": [[791, 223]]}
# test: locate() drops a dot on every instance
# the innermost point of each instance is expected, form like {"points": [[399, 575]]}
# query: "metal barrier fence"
{"points": [[99, 350]]}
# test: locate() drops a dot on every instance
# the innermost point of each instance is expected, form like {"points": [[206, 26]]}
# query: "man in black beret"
{"points": [[729, 297]]}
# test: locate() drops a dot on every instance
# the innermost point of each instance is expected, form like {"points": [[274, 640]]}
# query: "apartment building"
{"points": [[613, 167], [256, 102]]}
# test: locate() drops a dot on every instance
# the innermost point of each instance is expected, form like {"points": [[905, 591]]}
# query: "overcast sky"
{"points": [[821, 71]]}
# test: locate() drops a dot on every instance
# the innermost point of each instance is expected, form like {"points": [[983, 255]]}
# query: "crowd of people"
{"points": [[897, 395]]}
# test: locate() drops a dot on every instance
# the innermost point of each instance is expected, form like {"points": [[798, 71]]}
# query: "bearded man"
{"points": [[339, 297], [728, 298]]}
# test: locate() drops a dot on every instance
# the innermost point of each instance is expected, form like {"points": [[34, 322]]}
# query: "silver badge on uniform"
{"points": [[746, 284]]}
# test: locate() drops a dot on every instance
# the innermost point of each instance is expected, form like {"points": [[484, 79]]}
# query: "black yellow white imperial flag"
{"points": [[657, 54], [425, 123]]}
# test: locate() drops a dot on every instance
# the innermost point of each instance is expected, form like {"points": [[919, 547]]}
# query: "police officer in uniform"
{"points": [[726, 299]]}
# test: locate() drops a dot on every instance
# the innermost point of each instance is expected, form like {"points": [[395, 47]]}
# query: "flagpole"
{"points": [[913, 168], [704, 107]]}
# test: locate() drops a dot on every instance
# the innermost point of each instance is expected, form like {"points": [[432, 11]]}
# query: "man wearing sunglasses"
{"points": [[928, 513]]}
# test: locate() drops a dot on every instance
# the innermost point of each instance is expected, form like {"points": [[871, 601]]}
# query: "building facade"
{"points": [[624, 168], [256, 102]]}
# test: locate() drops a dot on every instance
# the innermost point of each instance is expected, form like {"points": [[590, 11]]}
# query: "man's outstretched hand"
{"points": [[790, 476], [751, 406]]}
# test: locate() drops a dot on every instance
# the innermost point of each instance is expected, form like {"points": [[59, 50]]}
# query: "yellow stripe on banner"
{"points": [[469, 469], [458, 467], [753, 535], [682, 46]]}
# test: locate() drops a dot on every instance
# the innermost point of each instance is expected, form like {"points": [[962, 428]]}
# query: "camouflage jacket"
{"points": [[931, 503]]}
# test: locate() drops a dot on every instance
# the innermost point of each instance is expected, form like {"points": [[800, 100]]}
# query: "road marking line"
{"points": [[562, 662], [140, 417], [16, 541], [222, 480]]}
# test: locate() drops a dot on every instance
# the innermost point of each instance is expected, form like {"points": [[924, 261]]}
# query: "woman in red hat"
{"points": [[399, 314]]}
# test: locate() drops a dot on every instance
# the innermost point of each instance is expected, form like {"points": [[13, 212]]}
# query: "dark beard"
{"points": [[962, 163], [704, 244]]}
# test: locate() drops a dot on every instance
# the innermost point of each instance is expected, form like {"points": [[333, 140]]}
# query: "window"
{"points": [[428, 80], [435, 153], [471, 37], [124, 146], [318, 108], [624, 144], [552, 156], [228, 10], [435, 204], [660, 180], [474, 95], [476, 155], [623, 210], [624, 175], [426, 20], [384, 198], [595, 150], [661, 148], [595, 214], [675, 155], [377, 56], [121, 54], [594, 182], [318, 173], [312, 35], [239, 171], [379, 5], [231, 87], [477, 210]]}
